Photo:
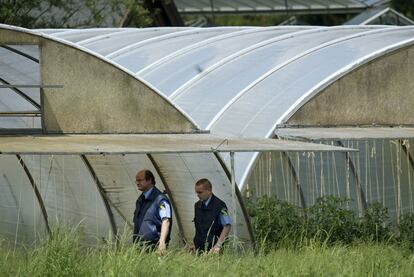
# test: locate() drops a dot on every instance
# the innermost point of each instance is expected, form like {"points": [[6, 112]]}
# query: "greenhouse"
{"points": [[82, 110]]}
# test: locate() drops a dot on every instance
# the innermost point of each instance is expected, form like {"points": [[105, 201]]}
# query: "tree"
{"points": [[72, 13], [404, 6]]}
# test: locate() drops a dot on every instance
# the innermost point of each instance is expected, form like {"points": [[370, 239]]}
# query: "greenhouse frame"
{"points": [[76, 105]]}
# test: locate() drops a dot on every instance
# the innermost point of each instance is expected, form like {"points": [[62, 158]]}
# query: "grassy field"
{"points": [[63, 256]]}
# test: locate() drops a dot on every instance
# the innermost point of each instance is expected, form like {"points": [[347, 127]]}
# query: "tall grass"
{"points": [[324, 240], [62, 255]]}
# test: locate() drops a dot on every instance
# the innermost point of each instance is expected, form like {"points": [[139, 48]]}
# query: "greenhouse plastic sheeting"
{"points": [[21, 220], [199, 58], [70, 195], [139, 55]]}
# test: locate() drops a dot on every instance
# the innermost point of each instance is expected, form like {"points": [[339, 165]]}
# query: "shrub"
{"points": [[279, 223], [406, 230], [375, 224], [276, 222], [329, 220]]}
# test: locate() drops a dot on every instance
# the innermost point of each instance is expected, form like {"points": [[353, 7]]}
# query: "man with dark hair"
{"points": [[211, 219], [152, 216]]}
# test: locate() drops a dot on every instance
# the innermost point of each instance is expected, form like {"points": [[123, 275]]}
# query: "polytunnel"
{"points": [[246, 82]]}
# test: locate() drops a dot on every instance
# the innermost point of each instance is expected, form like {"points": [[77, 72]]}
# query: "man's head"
{"points": [[203, 189], [144, 180]]}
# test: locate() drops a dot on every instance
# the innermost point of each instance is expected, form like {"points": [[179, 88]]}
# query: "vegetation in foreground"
{"points": [[329, 221], [324, 240], [62, 255]]}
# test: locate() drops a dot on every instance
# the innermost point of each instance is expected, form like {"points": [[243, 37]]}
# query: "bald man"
{"points": [[152, 216]]}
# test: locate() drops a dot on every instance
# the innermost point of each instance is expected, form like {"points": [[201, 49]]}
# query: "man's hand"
{"points": [[190, 248], [161, 249], [215, 249]]}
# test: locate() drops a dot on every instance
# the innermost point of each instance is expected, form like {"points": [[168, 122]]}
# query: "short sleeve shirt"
{"points": [[224, 217], [164, 209]]}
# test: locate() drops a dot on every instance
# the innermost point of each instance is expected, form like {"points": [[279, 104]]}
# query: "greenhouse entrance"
{"points": [[52, 180]]}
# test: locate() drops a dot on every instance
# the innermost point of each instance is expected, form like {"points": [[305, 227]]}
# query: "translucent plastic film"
{"points": [[70, 195], [21, 219]]}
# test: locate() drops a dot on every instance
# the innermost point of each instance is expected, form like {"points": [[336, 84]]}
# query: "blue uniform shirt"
{"points": [[164, 209], [224, 215]]}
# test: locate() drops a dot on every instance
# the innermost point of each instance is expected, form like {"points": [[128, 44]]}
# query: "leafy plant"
{"points": [[327, 222], [73, 13], [404, 6], [375, 224], [276, 222], [330, 215], [406, 230]]}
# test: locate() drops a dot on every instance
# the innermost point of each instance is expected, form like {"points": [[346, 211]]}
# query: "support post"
{"points": [[170, 196], [358, 186], [233, 195], [36, 191], [103, 195]]}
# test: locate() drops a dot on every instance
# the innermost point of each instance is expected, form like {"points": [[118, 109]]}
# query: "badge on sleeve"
{"points": [[224, 211], [162, 206]]}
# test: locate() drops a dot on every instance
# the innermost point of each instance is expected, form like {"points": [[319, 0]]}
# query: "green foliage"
{"points": [[296, 249], [328, 222], [375, 224], [324, 19], [72, 13], [404, 6], [9, 261], [18, 10], [133, 11], [270, 19], [248, 20], [331, 221], [60, 255], [406, 230], [239, 20], [115, 259], [276, 221]]}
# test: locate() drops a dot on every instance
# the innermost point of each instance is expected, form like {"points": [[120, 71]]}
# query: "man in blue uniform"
{"points": [[211, 219], [152, 216]]}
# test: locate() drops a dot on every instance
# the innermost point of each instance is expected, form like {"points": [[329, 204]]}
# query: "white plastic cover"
{"points": [[141, 54], [19, 66], [21, 220], [70, 195], [182, 66]]}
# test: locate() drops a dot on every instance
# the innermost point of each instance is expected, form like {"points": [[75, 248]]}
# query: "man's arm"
{"points": [[223, 235], [165, 215], [165, 227]]}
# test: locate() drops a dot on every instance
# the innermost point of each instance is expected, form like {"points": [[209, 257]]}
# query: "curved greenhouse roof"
{"points": [[243, 81], [241, 68], [231, 81]]}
